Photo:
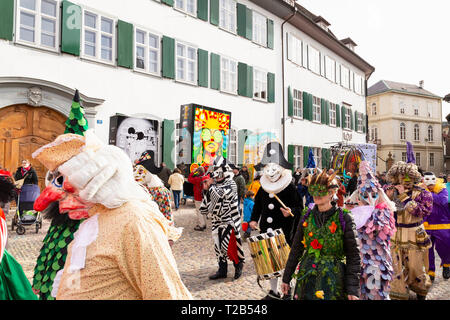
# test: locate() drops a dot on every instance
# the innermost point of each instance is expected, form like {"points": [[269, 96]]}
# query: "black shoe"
{"points": [[420, 297], [272, 296], [221, 273], [432, 278], [238, 269], [446, 273]]}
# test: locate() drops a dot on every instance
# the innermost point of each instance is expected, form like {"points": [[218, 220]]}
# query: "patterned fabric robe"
{"points": [[410, 244], [221, 203]]}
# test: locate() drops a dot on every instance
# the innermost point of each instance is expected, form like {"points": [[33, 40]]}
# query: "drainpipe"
{"points": [[367, 114], [282, 74]]}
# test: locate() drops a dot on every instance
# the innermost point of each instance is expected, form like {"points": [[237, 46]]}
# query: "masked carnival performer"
{"points": [[145, 172], [373, 213], [324, 257], [121, 250], [410, 242], [14, 285], [220, 201], [268, 212], [437, 225]]}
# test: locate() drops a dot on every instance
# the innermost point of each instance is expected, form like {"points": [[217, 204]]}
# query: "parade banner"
{"points": [[204, 135], [134, 135]]}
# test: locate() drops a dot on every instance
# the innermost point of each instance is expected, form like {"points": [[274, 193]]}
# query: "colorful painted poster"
{"points": [[210, 136]]}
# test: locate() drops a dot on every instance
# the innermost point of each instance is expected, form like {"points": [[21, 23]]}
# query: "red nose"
{"points": [[49, 195]]}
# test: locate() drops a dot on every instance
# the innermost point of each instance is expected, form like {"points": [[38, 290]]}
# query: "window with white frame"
{"points": [[316, 109], [294, 49], [313, 60], [259, 29], [227, 19], [298, 156], [358, 84], [402, 131], [228, 80], [99, 37], [330, 69], [345, 77], [318, 157], [332, 114], [232, 151], [430, 134], [38, 23], [431, 159], [188, 6], [259, 84], [404, 157], [360, 123], [416, 132], [374, 109], [374, 133], [186, 63], [348, 119], [147, 52], [416, 111], [298, 103], [418, 159]]}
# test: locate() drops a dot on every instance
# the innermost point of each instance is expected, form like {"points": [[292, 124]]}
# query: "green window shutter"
{"points": [[338, 116], [326, 158], [352, 122], [327, 112], [168, 143], [125, 43], [323, 109], [168, 57], [168, 2], [305, 156], [269, 34], [270, 87], [242, 137], [305, 103], [202, 68], [249, 24], [245, 80], [356, 120], [241, 12], [70, 28], [290, 158], [290, 102], [7, 19], [364, 123], [250, 82], [202, 10], [215, 71], [214, 12], [310, 106], [343, 111]]}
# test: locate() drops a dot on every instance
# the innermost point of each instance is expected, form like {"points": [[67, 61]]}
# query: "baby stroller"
{"points": [[25, 214], [188, 192]]}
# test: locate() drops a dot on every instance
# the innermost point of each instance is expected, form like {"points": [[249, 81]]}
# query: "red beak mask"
{"points": [[59, 189]]}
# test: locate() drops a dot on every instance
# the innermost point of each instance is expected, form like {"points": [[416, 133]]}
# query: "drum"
{"points": [[270, 252]]}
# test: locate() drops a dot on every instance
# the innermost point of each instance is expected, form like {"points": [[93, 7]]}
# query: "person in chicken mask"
{"points": [[121, 249], [437, 225]]}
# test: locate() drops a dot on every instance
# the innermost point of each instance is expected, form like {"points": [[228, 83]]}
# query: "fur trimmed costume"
{"points": [[121, 250], [410, 242]]}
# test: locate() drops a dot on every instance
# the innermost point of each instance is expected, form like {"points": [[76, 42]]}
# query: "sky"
{"points": [[405, 40]]}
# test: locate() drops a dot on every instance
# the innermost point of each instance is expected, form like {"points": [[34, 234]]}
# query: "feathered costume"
{"points": [[375, 225], [14, 285]]}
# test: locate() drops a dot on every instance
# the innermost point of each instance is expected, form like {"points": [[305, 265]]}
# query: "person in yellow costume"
{"points": [[121, 249]]}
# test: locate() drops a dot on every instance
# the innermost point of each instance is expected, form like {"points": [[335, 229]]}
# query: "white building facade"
{"points": [[147, 58]]}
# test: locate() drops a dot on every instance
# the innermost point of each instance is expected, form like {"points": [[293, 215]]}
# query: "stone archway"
{"points": [[23, 129]]}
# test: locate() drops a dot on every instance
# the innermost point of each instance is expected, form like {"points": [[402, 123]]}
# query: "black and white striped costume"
{"points": [[221, 203]]}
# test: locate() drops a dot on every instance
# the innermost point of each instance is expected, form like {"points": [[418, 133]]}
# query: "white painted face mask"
{"points": [[273, 171]]}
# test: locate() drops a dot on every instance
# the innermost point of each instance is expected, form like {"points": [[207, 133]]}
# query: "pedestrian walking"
{"points": [[240, 183], [176, 181], [245, 174], [164, 175], [196, 178], [249, 202]]}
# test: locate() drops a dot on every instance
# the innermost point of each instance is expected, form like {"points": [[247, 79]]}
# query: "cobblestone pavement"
{"points": [[195, 258]]}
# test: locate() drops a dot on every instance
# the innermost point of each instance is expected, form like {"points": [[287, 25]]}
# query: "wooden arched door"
{"points": [[24, 129]]}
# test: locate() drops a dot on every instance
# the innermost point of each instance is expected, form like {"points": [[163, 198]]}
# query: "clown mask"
{"points": [[58, 188], [273, 171]]}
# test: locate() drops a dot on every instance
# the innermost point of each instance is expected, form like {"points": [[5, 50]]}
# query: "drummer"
{"points": [[325, 237], [277, 203]]}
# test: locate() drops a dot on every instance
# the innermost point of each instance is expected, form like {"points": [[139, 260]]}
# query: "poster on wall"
{"points": [[204, 135], [134, 135], [370, 154]]}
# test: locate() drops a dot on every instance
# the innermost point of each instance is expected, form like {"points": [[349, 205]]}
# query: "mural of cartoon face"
{"points": [[273, 171], [212, 143], [58, 188]]}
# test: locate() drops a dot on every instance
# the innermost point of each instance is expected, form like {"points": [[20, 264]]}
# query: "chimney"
{"points": [[421, 82]]}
